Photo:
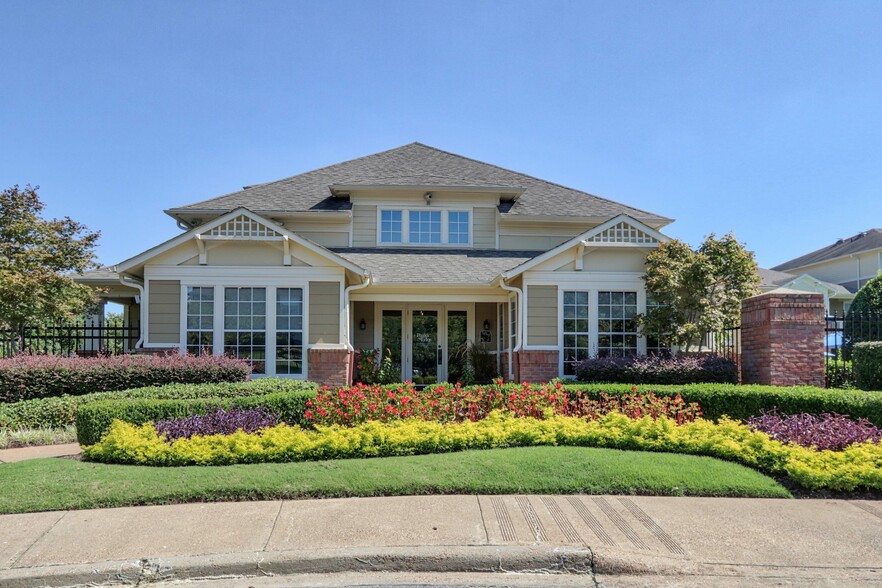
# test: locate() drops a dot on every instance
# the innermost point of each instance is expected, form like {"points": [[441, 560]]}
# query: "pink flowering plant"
{"points": [[453, 403]]}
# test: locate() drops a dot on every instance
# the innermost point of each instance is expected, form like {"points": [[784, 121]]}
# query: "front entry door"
{"points": [[425, 341], [424, 360]]}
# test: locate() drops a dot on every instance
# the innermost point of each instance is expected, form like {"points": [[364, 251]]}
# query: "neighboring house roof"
{"points": [[865, 241], [434, 266], [417, 165], [772, 279], [101, 274]]}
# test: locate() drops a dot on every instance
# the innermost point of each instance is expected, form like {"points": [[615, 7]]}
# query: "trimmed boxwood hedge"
{"points": [[61, 411], [740, 401], [868, 365], [94, 418]]}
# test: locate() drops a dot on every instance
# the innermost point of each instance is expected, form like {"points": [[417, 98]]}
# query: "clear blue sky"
{"points": [[760, 117]]}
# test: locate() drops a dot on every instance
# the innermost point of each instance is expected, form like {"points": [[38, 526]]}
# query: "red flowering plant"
{"points": [[454, 403]]}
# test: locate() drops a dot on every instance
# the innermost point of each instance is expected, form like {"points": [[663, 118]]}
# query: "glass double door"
{"points": [[426, 341]]}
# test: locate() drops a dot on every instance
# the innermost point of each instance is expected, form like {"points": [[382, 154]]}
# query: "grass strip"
{"points": [[61, 484]]}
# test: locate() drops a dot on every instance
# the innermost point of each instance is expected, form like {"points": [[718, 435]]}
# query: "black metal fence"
{"points": [[83, 338], [841, 333], [727, 343]]}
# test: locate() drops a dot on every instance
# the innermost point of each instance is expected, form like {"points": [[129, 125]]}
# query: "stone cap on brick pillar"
{"points": [[783, 305]]}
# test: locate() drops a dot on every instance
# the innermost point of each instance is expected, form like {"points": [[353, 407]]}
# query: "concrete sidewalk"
{"points": [[39, 451], [617, 539]]}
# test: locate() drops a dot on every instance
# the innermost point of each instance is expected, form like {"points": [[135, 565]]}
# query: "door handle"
{"points": [[440, 356]]}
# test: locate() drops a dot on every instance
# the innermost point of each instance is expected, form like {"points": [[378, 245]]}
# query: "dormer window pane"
{"points": [[390, 229], [458, 228], [425, 226]]}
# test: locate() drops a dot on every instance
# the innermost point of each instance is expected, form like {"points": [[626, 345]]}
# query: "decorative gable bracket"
{"points": [[621, 234], [243, 227]]}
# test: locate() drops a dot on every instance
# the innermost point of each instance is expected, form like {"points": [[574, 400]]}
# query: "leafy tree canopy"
{"points": [[696, 292], [869, 298], [38, 259]]}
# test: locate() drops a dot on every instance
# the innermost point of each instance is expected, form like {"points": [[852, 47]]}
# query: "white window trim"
{"points": [[405, 226], [218, 332]]}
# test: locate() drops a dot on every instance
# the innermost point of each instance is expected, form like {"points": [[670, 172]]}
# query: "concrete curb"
{"points": [[498, 559]]}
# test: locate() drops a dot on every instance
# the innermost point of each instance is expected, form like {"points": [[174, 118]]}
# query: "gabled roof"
{"points": [[865, 241], [416, 165], [771, 279], [434, 266], [207, 228], [641, 236]]}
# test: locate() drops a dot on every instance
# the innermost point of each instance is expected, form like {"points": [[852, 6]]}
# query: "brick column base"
{"points": [[536, 366], [782, 339], [330, 367]]}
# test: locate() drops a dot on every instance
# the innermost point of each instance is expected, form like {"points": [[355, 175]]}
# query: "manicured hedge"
{"points": [[39, 376], [868, 365], [94, 418], [650, 369], [744, 401], [61, 411]]}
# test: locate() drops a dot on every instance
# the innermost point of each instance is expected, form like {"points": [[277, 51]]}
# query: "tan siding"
{"points": [[485, 311], [542, 315], [530, 243], [324, 312], [164, 311], [484, 230], [327, 238], [364, 225], [363, 339]]}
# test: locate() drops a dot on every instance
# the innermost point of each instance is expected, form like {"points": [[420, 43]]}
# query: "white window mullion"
{"points": [[271, 331], [444, 224], [218, 320]]}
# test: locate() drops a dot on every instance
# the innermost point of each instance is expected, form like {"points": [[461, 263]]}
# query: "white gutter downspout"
{"points": [[142, 305], [519, 294], [346, 307]]}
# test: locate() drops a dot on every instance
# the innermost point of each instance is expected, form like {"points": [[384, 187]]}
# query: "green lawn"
{"points": [[56, 484]]}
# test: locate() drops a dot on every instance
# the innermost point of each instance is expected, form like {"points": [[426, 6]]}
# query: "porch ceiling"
{"points": [[434, 266]]}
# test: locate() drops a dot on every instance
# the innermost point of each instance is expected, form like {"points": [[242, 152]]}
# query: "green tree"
{"points": [[696, 292], [38, 260], [863, 322]]}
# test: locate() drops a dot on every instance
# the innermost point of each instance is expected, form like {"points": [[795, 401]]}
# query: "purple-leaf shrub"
{"points": [[218, 421], [824, 431], [651, 369], [38, 376]]}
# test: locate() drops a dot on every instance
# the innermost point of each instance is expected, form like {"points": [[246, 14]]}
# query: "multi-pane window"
{"points": [[458, 228], [200, 319], [616, 328], [575, 330], [390, 226], [654, 345], [425, 226], [289, 331], [245, 325]]}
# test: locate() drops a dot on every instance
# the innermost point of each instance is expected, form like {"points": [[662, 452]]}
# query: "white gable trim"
{"points": [[205, 231], [585, 240]]}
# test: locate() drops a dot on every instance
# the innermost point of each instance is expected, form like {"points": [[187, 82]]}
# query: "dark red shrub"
{"points": [[38, 376], [651, 369], [824, 431], [218, 422]]}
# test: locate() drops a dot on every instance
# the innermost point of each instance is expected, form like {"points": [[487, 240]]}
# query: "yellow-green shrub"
{"points": [[859, 466]]}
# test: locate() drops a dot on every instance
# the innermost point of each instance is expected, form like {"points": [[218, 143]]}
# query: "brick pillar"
{"points": [[782, 339], [537, 366], [330, 367]]}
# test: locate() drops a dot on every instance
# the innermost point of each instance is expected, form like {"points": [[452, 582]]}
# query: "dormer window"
{"points": [[422, 227]]}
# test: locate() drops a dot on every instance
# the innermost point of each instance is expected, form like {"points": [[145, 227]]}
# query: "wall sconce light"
{"points": [[362, 325], [486, 325]]}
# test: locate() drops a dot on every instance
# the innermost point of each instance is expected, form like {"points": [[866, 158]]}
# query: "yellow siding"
{"points": [[484, 229], [164, 311], [324, 312], [542, 315], [364, 225]]}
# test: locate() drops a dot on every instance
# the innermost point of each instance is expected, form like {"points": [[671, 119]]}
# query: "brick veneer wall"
{"points": [[330, 367], [537, 366], [782, 339]]}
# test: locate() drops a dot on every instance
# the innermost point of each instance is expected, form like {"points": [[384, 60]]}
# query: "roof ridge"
{"points": [[318, 169], [550, 183]]}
